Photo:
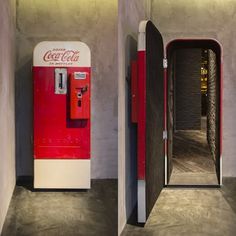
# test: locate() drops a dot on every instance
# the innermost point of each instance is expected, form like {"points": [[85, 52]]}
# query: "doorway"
{"points": [[179, 109], [193, 112]]}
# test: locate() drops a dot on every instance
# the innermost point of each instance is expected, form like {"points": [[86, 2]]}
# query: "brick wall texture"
{"points": [[212, 104], [188, 89]]}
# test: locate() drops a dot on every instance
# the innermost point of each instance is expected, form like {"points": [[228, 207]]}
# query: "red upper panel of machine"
{"points": [[61, 75]]}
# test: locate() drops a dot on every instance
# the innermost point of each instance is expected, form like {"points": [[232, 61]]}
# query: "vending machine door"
{"points": [[62, 124], [150, 118]]}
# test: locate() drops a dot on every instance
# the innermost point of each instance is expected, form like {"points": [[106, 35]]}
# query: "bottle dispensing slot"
{"points": [[60, 81]]}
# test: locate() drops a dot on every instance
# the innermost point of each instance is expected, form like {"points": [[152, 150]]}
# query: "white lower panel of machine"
{"points": [[141, 201], [62, 174]]}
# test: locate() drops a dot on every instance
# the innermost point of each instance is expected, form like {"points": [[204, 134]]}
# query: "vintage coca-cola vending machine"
{"points": [[62, 120]]}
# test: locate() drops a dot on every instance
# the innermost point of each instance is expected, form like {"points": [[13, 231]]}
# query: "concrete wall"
{"points": [[130, 13], [207, 19], [7, 109], [95, 23], [187, 89]]}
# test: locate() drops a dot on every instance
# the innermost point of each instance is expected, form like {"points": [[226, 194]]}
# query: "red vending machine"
{"points": [[62, 124]]}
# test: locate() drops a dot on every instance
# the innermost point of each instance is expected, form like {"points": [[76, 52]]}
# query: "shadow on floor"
{"points": [[229, 191], [133, 218], [28, 183]]}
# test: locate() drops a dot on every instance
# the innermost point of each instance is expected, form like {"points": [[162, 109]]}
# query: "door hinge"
{"points": [[165, 63], [164, 134]]}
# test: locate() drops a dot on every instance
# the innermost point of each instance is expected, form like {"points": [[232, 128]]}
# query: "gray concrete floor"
{"points": [[49, 213], [193, 163], [189, 211]]}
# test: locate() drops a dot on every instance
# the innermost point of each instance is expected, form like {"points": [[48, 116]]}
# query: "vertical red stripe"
{"points": [[134, 92]]}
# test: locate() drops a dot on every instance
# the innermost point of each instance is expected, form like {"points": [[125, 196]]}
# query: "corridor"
{"points": [[192, 161]]}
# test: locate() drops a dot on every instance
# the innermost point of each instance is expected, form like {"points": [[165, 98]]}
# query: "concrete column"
{"points": [[7, 105]]}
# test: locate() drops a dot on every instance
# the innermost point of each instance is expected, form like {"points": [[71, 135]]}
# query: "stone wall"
{"points": [[212, 104]]}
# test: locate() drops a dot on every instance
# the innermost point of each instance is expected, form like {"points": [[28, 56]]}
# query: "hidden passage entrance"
{"points": [[193, 112], [177, 106]]}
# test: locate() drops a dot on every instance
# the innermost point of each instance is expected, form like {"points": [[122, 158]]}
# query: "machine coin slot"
{"points": [[60, 81]]}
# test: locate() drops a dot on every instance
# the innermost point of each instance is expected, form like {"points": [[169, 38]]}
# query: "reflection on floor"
{"points": [[188, 211], [49, 213], [192, 160]]}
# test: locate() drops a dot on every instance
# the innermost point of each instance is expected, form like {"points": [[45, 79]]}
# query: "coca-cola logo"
{"points": [[61, 55]]}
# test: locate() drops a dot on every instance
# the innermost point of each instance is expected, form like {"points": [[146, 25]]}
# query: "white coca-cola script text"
{"points": [[61, 56]]}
